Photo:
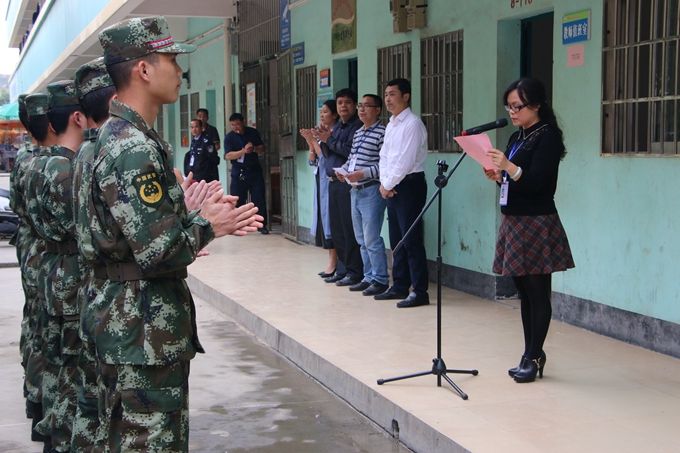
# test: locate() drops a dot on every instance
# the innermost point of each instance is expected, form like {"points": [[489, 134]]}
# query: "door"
{"points": [[286, 177], [536, 58]]}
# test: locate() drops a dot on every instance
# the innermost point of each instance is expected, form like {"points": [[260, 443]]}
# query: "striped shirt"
{"points": [[365, 154]]}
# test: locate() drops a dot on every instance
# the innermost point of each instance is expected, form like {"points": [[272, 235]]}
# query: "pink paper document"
{"points": [[476, 146]]}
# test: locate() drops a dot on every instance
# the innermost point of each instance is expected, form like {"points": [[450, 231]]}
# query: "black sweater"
{"points": [[539, 151]]}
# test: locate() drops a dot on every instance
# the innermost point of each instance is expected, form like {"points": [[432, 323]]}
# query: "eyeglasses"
{"points": [[514, 108], [363, 106]]}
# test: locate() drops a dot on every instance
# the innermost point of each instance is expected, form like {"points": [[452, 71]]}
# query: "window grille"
{"points": [[393, 62], [305, 80], [641, 87], [195, 105], [442, 89], [258, 29], [184, 120], [285, 87]]}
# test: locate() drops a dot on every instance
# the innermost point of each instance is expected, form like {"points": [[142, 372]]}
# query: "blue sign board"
{"points": [[284, 25], [298, 53], [576, 27]]}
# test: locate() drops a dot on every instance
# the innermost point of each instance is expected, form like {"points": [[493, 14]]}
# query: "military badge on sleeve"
{"points": [[149, 188]]}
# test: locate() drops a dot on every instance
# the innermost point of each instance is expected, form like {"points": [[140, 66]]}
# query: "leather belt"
{"points": [[69, 247], [367, 184], [125, 272]]}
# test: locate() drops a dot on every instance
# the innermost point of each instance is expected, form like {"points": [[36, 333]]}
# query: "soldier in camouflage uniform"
{"points": [[22, 236], [144, 238], [62, 268], [36, 363], [94, 89]]}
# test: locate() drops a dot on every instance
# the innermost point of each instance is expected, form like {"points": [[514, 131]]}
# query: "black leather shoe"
{"points": [[414, 300], [263, 230], [513, 371], [390, 294], [362, 285], [334, 278], [375, 289], [347, 281]]}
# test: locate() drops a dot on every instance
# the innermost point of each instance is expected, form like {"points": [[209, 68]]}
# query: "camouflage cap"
{"points": [[36, 104], [62, 94], [134, 38], [92, 76]]}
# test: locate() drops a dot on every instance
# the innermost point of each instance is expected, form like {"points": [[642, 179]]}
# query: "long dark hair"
{"points": [[532, 92]]}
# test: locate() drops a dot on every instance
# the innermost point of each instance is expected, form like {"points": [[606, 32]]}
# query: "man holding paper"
{"points": [[403, 185], [368, 207]]}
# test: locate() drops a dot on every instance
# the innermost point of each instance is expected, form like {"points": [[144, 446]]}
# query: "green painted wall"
{"points": [[615, 210]]}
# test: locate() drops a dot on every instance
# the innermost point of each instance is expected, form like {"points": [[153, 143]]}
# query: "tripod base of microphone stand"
{"points": [[439, 370]]}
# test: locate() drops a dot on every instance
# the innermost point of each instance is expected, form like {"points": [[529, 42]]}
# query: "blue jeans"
{"points": [[368, 213]]}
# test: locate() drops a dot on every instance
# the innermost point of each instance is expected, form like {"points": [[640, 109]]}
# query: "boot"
{"points": [[513, 371], [531, 367]]}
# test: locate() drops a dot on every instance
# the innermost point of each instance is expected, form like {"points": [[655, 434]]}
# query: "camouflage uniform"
{"points": [[143, 236], [62, 275], [36, 105], [90, 77]]}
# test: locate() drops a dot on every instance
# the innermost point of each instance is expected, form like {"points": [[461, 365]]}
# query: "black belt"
{"points": [[124, 272], [61, 248], [366, 184]]}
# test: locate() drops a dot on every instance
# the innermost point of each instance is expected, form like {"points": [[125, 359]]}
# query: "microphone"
{"points": [[501, 122]]}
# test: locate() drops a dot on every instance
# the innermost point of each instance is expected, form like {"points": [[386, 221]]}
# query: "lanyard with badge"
{"points": [[505, 185]]}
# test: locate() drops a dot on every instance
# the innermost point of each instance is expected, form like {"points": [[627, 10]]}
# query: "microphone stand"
{"points": [[438, 366]]}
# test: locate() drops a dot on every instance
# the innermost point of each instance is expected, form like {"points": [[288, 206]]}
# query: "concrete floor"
{"points": [[244, 396], [598, 394]]}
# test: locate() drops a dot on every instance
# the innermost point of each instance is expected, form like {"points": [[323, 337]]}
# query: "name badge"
{"points": [[191, 161], [504, 193]]}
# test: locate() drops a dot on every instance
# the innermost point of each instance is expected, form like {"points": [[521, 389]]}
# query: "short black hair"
{"points": [[38, 125], [236, 117], [120, 72], [95, 104], [204, 110], [59, 116], [403, 84], [346, 93], [377, 99]]}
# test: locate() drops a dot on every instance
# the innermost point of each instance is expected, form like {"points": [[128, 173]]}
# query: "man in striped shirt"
{"points": [[368, 206]]}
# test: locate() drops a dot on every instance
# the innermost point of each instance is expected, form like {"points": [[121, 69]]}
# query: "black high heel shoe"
{"points": [[527, 373], [513, 371], [325, 274]]}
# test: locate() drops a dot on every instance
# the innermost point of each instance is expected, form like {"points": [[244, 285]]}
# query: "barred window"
{"points": [[184, 120], [195, 104], [305, 82], [393, 62], [442, 89], [641, 87]]}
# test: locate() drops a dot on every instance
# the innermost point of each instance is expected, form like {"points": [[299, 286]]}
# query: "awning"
{"points": [[9, 111]]}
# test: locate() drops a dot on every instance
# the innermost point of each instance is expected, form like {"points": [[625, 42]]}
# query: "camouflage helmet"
{"points": [[62, 94], [92, 76], [36, 104], [137, 37]]}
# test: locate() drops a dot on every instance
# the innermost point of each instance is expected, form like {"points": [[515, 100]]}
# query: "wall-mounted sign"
{"points": [[284, 24], [576, 55], [299, 53], [251, 104], [343, 25], [576, 27], [325, 78]]}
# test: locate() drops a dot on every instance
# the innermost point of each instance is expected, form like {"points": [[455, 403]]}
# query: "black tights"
{"points": [[534, 292]]}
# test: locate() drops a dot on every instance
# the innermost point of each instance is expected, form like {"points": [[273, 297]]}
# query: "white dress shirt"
{"points": [[404, 148]]}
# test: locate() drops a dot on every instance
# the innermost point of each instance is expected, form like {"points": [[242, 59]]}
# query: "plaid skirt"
{"points": [[531, 245]]}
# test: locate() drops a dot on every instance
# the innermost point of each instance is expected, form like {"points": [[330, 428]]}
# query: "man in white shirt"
{"points": [[403, 185]]}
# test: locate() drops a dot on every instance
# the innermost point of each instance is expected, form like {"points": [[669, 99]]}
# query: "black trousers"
{"points": [[342, 230], [534, 292], [409, 266], [249, 180]]}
